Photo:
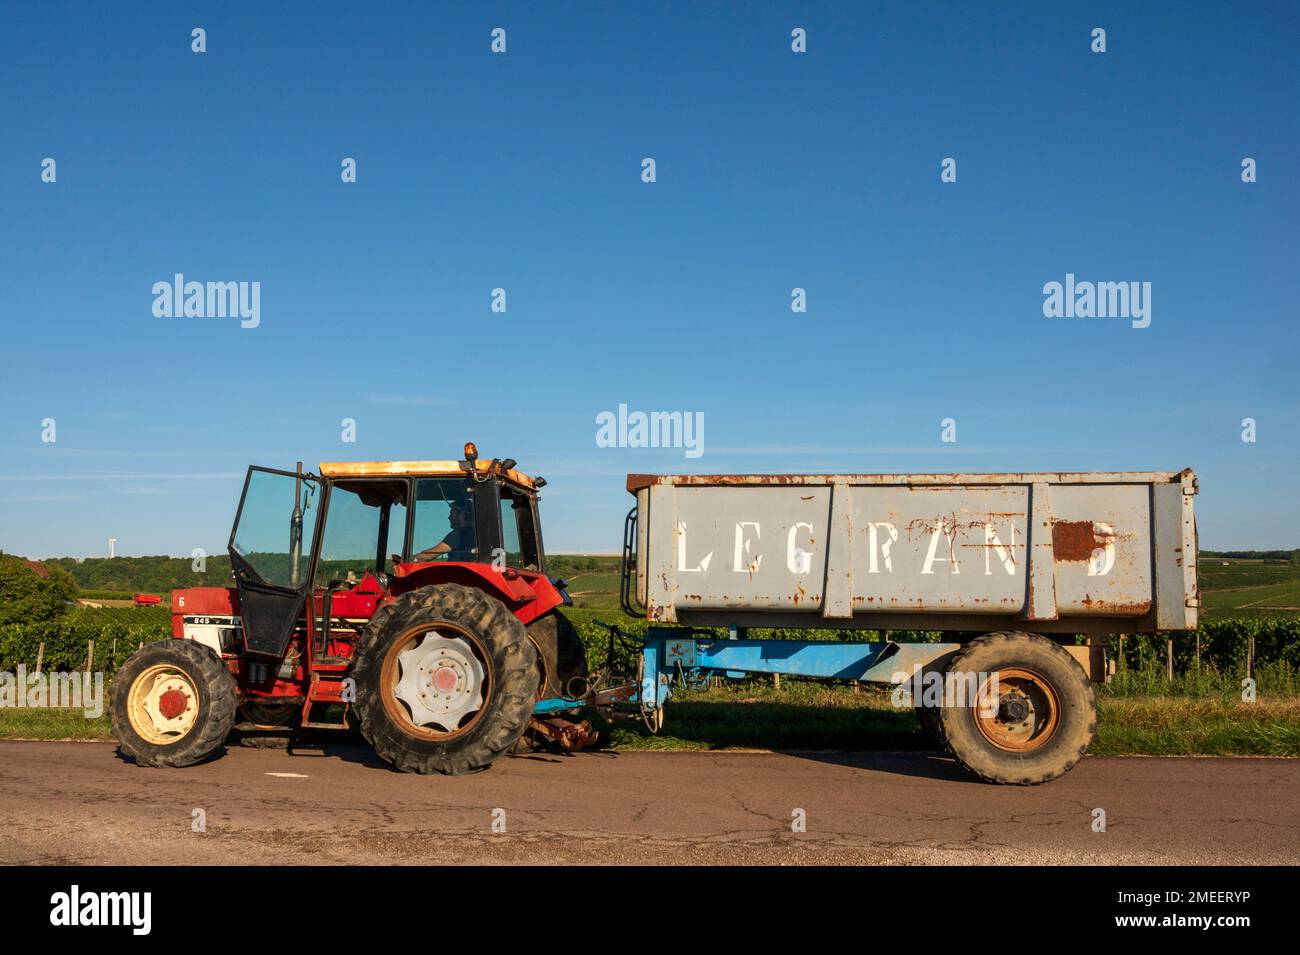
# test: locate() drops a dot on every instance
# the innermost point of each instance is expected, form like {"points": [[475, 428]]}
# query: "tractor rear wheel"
{"points": [[446, 679], [560, 653], [173, 703], [1033, 714]]}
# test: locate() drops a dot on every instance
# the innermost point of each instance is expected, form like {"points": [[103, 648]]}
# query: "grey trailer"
{"points": [[1010, 567]]}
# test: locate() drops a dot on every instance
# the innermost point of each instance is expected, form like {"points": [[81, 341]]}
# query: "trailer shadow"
{"points": [[931, 765], [869, 738]]}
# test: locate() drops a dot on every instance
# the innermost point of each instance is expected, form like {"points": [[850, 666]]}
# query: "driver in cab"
{"points": [[459, 541]]}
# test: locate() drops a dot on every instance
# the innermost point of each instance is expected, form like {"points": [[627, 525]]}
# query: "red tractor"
{"points": [[411, 594]]}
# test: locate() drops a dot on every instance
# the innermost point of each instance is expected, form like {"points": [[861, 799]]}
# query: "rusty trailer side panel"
{"points": [[1055, 552]]}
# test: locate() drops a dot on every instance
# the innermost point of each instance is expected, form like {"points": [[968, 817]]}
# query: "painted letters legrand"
{"points": [[1001, 545]]}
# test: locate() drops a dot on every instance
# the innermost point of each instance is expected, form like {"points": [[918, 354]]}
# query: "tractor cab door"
{"points": [[271, 553]]}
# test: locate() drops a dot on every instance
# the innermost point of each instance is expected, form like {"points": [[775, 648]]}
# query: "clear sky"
{"points": [[523, 171]]}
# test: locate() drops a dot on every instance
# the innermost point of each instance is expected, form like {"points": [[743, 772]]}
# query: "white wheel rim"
{"points": [[441, 682], [163, 705]]}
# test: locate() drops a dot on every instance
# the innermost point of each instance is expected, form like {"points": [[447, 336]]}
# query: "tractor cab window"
{"points": [[518, 533], [365, 522], [444, 521], [275, 527]]}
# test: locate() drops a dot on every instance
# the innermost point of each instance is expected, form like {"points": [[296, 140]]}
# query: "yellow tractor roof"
{"points": [[336, 469]]}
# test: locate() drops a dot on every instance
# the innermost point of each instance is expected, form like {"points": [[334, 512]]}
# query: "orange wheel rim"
{"points": [[442, 675], [1021, 714]]}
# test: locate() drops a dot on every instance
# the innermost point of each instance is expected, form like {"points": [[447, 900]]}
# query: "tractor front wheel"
{"points": [[446, 679], [173, 703]]}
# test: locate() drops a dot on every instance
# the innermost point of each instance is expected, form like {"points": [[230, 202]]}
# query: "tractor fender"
{"points": [[527, 594]]}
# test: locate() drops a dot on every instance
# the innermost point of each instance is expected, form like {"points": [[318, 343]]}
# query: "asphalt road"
{"points": [[81, 803]]}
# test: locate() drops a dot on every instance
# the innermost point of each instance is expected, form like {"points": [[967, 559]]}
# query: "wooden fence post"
{"points": [[1198, 652], [1169, 660], [40, 657], [90, 654], [1250, 657]]}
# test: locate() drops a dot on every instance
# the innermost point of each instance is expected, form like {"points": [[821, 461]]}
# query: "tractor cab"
{"points": [[359, 529]]}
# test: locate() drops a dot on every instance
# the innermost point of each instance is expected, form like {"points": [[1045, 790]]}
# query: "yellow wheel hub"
{"points": [[163, 705]]}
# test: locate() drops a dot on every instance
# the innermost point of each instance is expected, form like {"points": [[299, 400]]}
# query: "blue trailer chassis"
{"points": [[668, 656]]}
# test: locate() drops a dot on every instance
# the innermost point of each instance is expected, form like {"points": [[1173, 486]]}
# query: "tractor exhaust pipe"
{"points": [[295, 530], [577, 688]]}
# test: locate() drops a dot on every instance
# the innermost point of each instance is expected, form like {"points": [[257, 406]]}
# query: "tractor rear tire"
{"points": [[173, 703], [560, 653], [1044, 718], [481, 654]]}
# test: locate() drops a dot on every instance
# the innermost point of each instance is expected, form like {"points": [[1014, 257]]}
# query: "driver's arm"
{"points": [[436, 550]]}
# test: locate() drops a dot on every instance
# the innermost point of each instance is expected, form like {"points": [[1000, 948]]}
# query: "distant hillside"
{"points": [[162, 574], [1288, 555], [153, 575], [1240, 583]]}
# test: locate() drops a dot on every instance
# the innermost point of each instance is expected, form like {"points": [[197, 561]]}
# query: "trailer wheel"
{"points": [[1035, 726], [560, 653], [173, 703], [446, 678]]}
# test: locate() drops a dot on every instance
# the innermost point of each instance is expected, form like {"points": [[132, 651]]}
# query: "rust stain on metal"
{"points": [[1078, 540], [1117, 608]]}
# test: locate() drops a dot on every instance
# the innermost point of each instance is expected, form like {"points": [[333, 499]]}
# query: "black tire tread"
{"points": [[510, 704], [214, 682], [1007, 768], [560, 651]]}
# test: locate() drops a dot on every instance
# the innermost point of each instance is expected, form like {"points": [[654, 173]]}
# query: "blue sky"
{"points": [[522, 171]]}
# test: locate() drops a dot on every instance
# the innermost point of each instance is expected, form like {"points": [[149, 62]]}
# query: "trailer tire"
{"points": [[472, 626], [1045, 717], [173, 703], [559, 651]]}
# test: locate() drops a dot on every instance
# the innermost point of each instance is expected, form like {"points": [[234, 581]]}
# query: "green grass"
{"points": [[753, 715], [812, 716], [594, 589], [1239, 588], [1169, 726], [52, 724]]}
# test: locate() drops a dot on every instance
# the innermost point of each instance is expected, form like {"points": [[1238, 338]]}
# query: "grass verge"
{"points": [[812, 716], [52, 724]]}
